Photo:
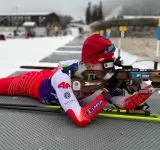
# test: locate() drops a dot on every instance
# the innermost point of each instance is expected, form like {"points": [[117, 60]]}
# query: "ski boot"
{"points": [[141, 109]]}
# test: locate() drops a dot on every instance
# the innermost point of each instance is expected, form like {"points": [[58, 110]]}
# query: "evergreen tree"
{"points": [[88, 14], [97, 12], [100, 13], [94, 13]]}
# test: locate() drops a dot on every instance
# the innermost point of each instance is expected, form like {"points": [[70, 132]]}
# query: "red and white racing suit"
{"points": [[52, 86]]}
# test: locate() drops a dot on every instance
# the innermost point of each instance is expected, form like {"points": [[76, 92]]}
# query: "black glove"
{"points": [[106, 95], [118, 62], [134, 86], [115, 87]]}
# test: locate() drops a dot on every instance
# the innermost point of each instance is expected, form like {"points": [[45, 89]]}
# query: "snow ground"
{"points": [[16, 52]]}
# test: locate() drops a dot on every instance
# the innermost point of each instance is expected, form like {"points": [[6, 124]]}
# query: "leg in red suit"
{"points": [[25, 84]]}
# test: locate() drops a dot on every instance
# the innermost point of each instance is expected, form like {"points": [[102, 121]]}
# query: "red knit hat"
{"points": [[96, 49]]}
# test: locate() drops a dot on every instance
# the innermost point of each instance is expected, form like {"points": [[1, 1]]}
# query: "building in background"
{"points": [[46, 23], [17, 19]]}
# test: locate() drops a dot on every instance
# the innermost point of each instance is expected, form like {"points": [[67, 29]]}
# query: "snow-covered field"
{"points": [[16, 52]]}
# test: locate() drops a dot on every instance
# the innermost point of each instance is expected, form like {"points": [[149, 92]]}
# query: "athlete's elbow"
{"points": [[80, 122]]}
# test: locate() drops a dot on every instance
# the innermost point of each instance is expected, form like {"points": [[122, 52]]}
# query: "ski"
{"points": [[131, 115], [106, 113]]}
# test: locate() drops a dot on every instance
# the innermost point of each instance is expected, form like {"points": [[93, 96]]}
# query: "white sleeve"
{"points": [[61, 82], [81, 116]]}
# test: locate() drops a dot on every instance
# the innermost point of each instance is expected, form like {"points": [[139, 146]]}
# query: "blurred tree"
{"points": [[65, 20], [100, 11], [95, 13], [88, 14]]}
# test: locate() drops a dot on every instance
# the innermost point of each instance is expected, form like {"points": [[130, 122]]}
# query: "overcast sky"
{"points": [[74, 7]]}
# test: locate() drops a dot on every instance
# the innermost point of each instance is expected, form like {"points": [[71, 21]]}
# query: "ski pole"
{"points": [[37, 67], [46, 108]]}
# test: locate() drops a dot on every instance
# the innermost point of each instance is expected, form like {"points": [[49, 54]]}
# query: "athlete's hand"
{"points": [[106, 95]]}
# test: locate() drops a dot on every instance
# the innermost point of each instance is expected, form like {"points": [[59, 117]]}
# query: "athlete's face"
{"points": [[99, 71], [98, 68]]}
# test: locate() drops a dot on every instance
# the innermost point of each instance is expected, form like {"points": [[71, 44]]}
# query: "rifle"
{"points": [[128, 74], [125, 77]]}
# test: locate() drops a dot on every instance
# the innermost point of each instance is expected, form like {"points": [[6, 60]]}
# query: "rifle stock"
{"points": [[153, 75]]}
